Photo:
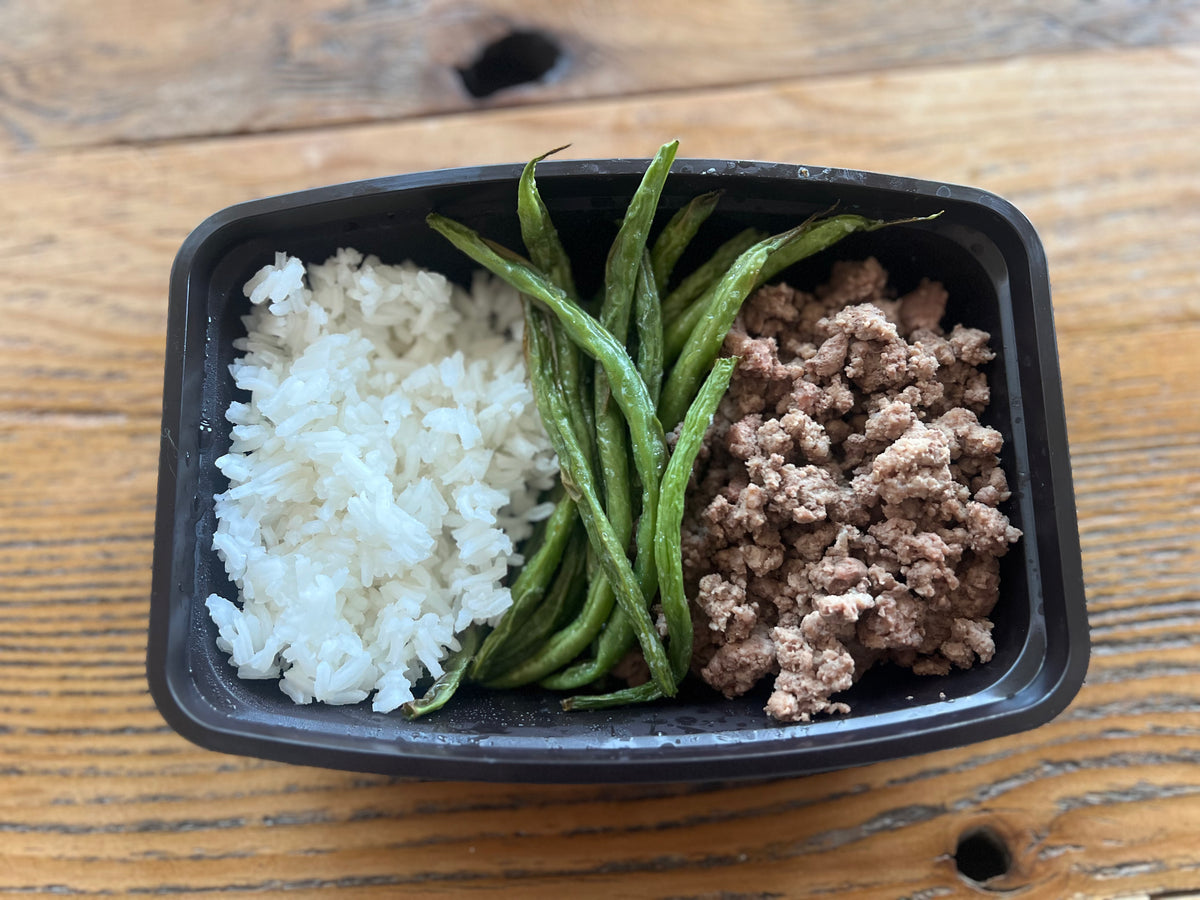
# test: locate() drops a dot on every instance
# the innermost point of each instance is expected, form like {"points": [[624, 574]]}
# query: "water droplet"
{"points": [[943, 191]]}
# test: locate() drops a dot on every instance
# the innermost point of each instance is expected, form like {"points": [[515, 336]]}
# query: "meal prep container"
{"points": [[984, 251]]}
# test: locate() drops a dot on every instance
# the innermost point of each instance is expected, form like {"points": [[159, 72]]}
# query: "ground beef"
{"points": [[844, 507]]}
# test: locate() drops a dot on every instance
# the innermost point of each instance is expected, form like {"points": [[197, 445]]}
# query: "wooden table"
{"points": [[123, 124]]}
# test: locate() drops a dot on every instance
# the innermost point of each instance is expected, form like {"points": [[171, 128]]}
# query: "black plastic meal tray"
{"points": [[980, 247]]}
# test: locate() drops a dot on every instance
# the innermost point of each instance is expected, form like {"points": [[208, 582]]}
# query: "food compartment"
{"points": [[996, 281]]}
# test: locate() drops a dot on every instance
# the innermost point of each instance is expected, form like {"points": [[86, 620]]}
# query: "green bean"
{"points": [[667, 542], [677, 234], [648, 314], [561, 600], [704, 277], [618, 636], [613, 643], [643, 693], [547, 253], [667, 553], [720, 306], [649, 444], [667, 539], [625, 255], [570, 640], [626, 274], [612, 455], [818, 235], [576, 390], [443, 688], [706, 338], [620, 283], [565, 644], [530, 585], [538, 231], [579, 483]]}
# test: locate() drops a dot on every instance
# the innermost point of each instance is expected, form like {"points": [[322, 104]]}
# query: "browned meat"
{"points": [[845, 506]]}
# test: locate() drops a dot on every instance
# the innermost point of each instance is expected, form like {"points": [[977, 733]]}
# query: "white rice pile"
{"points": [[388, 461]]}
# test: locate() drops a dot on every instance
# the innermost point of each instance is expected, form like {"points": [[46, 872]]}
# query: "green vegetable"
{"points": [[547, 253], [578, 480], [618, 636], [626, 272], [598, 417], [620, 284], [667, 549], [538, 232], [648, 313], [444, 687], [682, 314], [614, 642], [680, 301], [565, 644], [509, 645], [819, 234], [530, 585], [677, 234], [704, 343]]}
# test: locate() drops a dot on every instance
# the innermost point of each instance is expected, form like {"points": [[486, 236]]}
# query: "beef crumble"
{"points": [[844, 506]]}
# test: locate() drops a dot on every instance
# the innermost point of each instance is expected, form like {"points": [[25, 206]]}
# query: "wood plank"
{"points": [[78, 73], [97, 795]]}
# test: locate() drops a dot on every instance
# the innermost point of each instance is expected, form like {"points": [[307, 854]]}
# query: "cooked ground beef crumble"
{"points": [[844, 507]]}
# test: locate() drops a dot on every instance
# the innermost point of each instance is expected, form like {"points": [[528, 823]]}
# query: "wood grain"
{"points": [[76, 73], [98, 796]]}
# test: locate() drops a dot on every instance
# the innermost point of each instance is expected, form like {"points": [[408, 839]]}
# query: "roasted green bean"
{"points": [[620, 270], [819, 234], [444, 687], [538, 232], [681, 300], [649, 444], [620, 284], [614, 642], [705, 341], [561, 600], [667, 542], [530, 585], [667, 550], [547, 253], [565, 644], [648, 313], [677, 234], [579, 483], [618, 637], [627, 286]]}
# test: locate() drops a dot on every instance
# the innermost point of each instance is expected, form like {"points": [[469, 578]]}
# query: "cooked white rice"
{"points": [[388, 461]]}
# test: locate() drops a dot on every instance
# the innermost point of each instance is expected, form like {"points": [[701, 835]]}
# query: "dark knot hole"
{"points": [[517, 58], [982, 855]]}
